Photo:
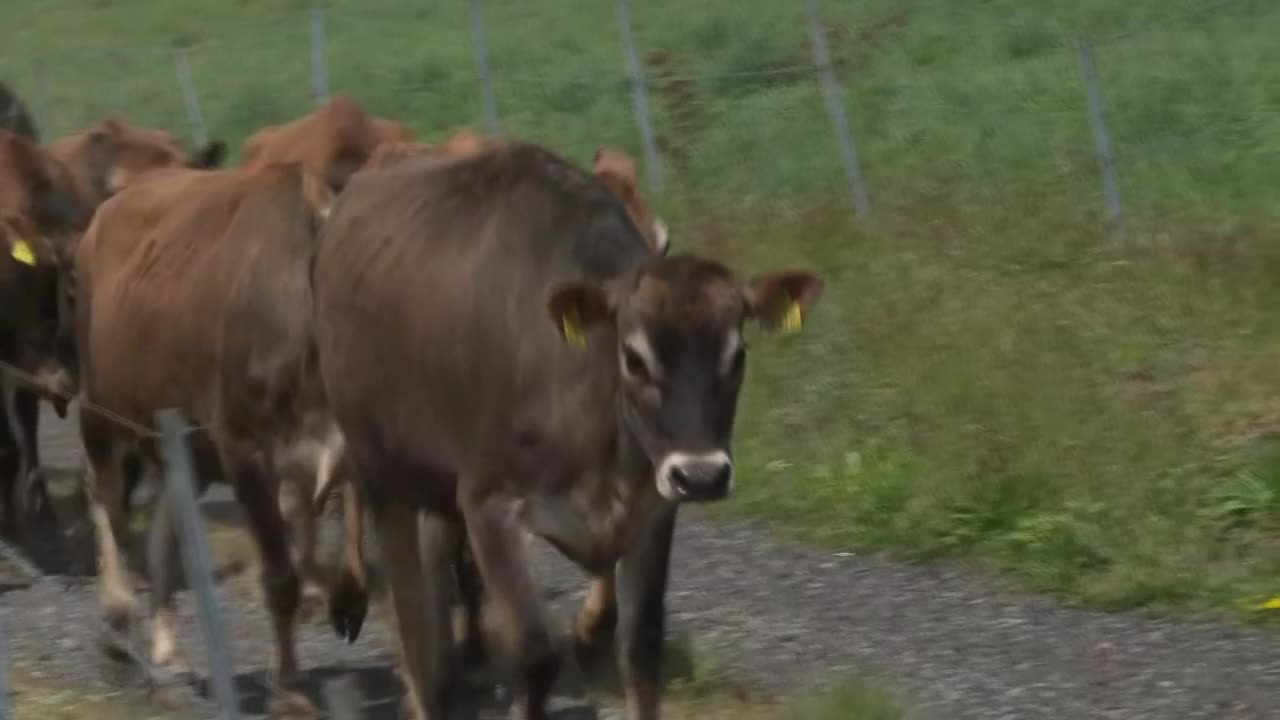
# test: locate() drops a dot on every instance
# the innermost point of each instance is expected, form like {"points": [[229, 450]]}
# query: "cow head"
{"points": [[39, 219], [617, 170], [113, 153], [35, 328], [680, 356]]}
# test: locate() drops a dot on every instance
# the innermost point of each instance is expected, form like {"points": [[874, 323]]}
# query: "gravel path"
{"points": [[784, 617]]}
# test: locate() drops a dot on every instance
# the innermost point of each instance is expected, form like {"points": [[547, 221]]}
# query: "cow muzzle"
{"points": [[700, 477]]}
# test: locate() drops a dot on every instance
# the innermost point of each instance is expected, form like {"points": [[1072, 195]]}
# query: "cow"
{"points": [[105, 157], [37, 217], [504, 352], [333, 141], [193, 292], [349, 595]]}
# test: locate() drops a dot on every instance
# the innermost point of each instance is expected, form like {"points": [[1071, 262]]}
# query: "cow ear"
{"points": [[576, 307], [100, 158], [210, 156], [22, 246], [616, 170], [780, 299]]}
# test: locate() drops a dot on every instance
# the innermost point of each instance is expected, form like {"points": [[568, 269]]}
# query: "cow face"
{"points": [[617, 170], [680, 356]]}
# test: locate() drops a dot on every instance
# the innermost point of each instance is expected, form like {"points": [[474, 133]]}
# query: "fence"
{"points": [[814, 102], [171, 433]]}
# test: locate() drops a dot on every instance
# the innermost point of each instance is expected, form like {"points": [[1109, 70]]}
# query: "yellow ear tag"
{"points": [[22, 253], [573, 329], [791, 320]]}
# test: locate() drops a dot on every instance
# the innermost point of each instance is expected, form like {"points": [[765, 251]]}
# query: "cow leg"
{"points": [[164, 559], [642, 589], [416, 560], [302, 525], [599, 614], [349, 596], [106, 446], [8, 468], [247, 468], [163, 565], [501, 553], [22, 411], [471, 596]]}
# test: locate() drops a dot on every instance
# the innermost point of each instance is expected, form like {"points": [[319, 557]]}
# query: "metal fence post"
{"points": [[195, 556], [835, 108], [319, 68], [190, 98], [43, 127], [1101, 136], [118, 62], [480, 45], [5, 711], [640, 99], [343, 698]]}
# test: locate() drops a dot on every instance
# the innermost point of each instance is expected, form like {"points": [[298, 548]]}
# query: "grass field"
{"points": [[987, 378]]}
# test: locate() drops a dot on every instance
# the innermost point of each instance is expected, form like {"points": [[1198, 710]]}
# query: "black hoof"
{"points": [[348, 607]]}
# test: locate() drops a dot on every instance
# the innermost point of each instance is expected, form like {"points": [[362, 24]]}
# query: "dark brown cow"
{"points": [[194, 293], [332, 142], [616, 170], [106, 157], [504, 350], [37, 218]]}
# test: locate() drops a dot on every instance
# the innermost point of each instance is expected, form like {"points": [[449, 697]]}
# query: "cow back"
{"points": [[439, 271], [187, 276]]}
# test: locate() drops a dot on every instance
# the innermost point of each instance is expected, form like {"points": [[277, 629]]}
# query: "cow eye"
{"points": [[635, 364]]}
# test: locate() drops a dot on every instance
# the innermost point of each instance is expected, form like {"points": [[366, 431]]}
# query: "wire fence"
{"points": [[800, 107], [794, 103]]}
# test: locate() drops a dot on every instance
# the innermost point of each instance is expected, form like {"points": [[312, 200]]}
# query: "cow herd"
{"points": [[478, 341]]}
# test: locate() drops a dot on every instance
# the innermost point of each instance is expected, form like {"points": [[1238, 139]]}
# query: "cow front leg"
{"points": [[22, 411], [642, 589], [416, 562], [501, 553], [598, 616]]}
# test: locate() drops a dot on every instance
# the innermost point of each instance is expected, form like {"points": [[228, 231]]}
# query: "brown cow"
{"points": [[331, 142], [106, 157], [194, 293], [617, 170], [37, 218], [503, 350]]}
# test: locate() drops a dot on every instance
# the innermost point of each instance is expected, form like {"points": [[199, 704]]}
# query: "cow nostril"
{"points": [[680, 480]]}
